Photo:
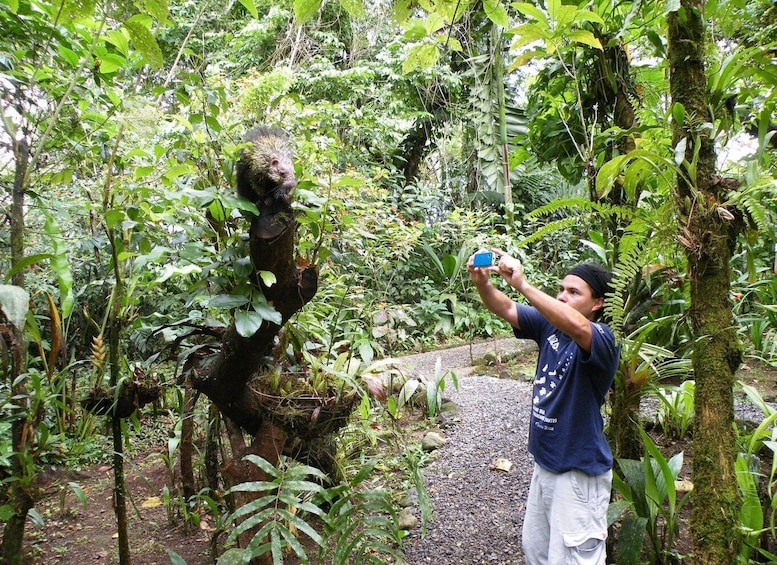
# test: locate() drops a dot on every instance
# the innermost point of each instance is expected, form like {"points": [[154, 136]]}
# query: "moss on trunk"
{"points": [[708, 239]]}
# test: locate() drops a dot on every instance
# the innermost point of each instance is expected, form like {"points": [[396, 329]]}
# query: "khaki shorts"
{"points": [[566, 518]]}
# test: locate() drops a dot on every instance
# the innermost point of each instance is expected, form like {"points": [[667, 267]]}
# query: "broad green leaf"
{"points": [[65, 176], [176, 559], [452, 43], [496, 12], [355, 8], [13, 5], [678, 114], [304, 10], [68, 55], [401, 10], [248, 323], [533, 12], [268, 313], [61, 266], [434, 23], [114, 218], [158, 9], [217, 211], [268, 278], [528, 33], [6, 512], [585, 37], [14, 302], [421, 57], [587, 16], [111, 63], [144, 40], [562, 16], [524, 58], [415, 31], [227, 301], [250, 5], [69, 10], [119, 40], [751, 512], [26, 262]]}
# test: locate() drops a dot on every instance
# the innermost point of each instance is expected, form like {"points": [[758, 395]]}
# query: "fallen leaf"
{"points": [[683, 486], [501, 464], [153, 502]]}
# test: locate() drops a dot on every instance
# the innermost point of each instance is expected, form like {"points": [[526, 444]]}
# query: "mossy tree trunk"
{"points": [[20, 494], [708, 233]]}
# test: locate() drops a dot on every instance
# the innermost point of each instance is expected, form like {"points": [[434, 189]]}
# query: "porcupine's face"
{"points": [[274, 156]]}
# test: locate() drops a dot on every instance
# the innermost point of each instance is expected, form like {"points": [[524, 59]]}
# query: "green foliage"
{"points": [[675, 414], [361, 524], [648, 486], [274, 513], [749, 477], [429, 387]]}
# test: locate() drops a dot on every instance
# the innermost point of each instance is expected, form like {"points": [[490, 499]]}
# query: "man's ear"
{"points": [[598, 304]]}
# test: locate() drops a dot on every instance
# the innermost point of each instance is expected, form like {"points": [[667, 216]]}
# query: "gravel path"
{"points": [[478, 510]]}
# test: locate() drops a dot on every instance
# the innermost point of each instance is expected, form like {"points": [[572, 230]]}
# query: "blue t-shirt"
{"points": [[567, 429]]}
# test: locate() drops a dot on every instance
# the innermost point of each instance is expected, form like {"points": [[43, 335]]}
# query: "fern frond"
{"points": [[758, 201], [625, 272], [549, 229]]}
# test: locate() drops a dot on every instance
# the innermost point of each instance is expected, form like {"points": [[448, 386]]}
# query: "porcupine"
{"points": [[265, 172]]}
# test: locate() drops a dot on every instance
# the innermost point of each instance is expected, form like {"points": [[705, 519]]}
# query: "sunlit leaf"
{"points": [[422, 56], [144, 41], [304, 10], [268, 277], [61, 266], [14, 302], [533, 12], [250, 5], [74, 10], [355, 8], [585, 37], [496, 12]]}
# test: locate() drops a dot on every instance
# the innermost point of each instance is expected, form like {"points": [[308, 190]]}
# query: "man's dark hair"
{"points": [[597, 277]]}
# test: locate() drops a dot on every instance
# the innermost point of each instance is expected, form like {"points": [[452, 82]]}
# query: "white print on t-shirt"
{"points": [[548, 378]]}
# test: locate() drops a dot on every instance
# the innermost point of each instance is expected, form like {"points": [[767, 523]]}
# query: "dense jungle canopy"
{"points": [[638, 134]]}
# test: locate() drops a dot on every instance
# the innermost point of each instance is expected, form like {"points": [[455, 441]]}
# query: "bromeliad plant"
{"points": [[675, 413], [431, 388]]}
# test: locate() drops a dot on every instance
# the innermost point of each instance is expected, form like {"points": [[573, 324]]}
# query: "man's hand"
{"points": [[493, 298], [479, 275], [511, 270]]}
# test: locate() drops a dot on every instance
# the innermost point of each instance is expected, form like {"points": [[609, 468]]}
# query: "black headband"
{"points": [[597, 277]]}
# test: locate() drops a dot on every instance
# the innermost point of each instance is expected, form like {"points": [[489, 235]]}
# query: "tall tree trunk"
{"points": [[187, 444], [19, 492], [709, 239], [114, 353]]}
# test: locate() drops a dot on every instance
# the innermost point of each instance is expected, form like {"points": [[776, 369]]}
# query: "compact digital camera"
{"points": [[483, 259]]}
